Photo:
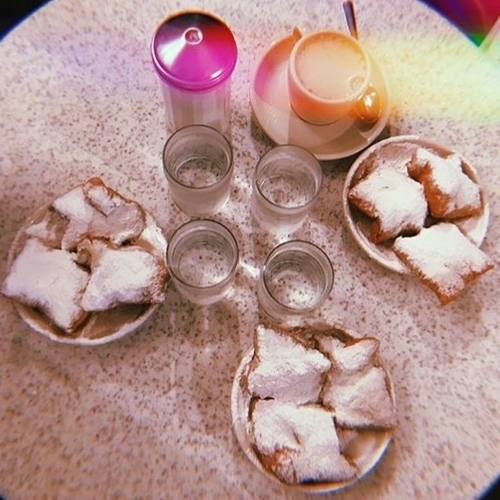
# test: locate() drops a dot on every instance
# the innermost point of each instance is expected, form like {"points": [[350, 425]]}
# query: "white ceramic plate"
{"points": [[366, 449], [398, 150], [102, 327], [269, 100]]}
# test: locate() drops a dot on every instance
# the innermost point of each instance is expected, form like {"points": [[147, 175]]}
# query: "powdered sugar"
{"points": [[395, 200], [361, 399], [306, 439], [445, 257], [286, 369], [126, 275], [74, 206], [351, 357], [97, 211], [50, 280], [449, 191]]}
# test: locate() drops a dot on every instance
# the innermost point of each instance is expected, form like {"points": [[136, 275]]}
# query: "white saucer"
{"points": [[102, 327], [398, 150], [269, 100], [366, 450]]}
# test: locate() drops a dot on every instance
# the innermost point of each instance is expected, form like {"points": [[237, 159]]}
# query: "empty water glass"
{"points": [[198, 164], [202, 257], [286, 184], [295, 279]]}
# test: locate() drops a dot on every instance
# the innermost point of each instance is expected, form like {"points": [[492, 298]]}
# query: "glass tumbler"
{"points": [[286, 184], [194, 54], [296, 278], [202, 257], [198, 165]]}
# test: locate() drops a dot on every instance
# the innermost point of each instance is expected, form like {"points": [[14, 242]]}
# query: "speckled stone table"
{"points": [[149, 416]]}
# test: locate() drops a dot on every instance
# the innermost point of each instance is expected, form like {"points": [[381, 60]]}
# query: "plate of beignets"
{"points": [[88, 268], [401, 187], [313, 407]]}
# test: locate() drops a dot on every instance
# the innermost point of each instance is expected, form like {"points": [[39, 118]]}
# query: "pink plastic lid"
{"points": [[194, 51]]}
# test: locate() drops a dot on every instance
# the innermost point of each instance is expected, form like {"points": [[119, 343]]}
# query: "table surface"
{"points": [[149, 416]]}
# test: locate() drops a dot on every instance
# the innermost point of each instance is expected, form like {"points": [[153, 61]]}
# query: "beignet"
{"points": [[356, 389], [361, 400], [298, 443], [395, 201], [124, 275], [284, 369], [48, 279], [97, 211], [450, 193], [443, 258]]}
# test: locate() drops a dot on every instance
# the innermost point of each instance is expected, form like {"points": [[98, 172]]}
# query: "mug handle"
{"points": [[297, 33]]}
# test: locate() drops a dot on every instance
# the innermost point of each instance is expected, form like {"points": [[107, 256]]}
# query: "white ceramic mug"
{"points": [[328, 72]]}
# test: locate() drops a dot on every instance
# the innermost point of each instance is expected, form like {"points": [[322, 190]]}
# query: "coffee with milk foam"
{"points": [[330, 67]]}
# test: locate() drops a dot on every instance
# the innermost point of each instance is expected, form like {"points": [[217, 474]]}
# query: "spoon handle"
{"points": [[350, 17]]}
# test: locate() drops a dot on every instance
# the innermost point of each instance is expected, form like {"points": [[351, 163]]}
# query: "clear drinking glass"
{"points": [[202, 257], [286, 184], [198, 164], [295, 279]]}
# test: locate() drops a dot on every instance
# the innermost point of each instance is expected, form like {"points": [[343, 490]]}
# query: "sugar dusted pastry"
{"points": [[94, 210], [450, 193], [125, 275], [50, 229], [394, 200], [361, 400], [298, 443], [48, 279], [284, 369], [322, 438], [123, 220], [356, 389], [443, 258], [74, 206], [352, 356], [92, 263]]}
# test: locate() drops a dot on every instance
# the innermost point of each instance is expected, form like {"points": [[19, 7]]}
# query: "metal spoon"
{"points": [[368, 108]]}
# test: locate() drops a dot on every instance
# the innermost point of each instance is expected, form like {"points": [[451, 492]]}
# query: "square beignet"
{"points": [[124, 275], [50, 280], [450, 193], [298, 443], [284, 369], [394, 201], [443, 258]]}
